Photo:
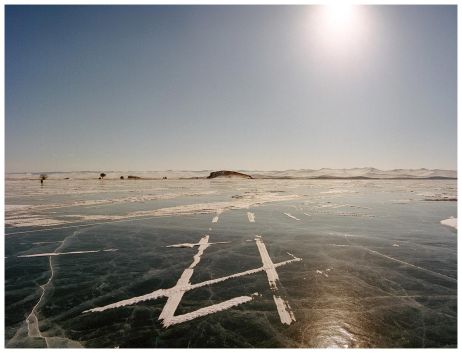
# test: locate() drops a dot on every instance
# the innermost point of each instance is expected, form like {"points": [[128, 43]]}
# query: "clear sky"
{"points": [[235, 87]]}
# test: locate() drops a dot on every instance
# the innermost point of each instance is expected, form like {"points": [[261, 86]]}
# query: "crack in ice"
{"points": [[33, 329]]}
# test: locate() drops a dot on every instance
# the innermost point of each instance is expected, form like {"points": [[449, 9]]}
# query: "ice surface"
{"points": [[379, 265]]}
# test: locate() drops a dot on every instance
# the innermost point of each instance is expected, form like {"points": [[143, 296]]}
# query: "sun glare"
{"points": [[338, 29], [339, 17]]}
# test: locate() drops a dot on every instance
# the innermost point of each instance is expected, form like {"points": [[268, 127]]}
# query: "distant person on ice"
{"points": [[42, 178]]}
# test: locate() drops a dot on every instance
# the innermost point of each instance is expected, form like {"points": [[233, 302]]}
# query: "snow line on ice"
{"points": [[67, 253], [131, 301], [174, 294], [131, 199], [32, 221], [183, 285], [177, 293], [182, 210], [166, 292], [450, 222], [285, 312], [289, 215], [192, 245], [208, 310], [244, 273]]}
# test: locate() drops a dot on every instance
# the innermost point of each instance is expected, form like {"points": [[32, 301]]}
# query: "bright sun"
{"points": [[339, 17], [338, 28]]}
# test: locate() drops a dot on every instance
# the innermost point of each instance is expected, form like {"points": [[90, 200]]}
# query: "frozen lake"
{"points": [[230, 263]]}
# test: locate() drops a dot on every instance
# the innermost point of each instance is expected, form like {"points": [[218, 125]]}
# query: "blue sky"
{"points": [[235, 87]]}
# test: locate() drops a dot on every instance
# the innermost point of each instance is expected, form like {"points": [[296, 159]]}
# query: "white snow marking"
{"points": [[183, 210], [289, 215], [88, 203], [9, 208], [192, 245], [285, 313], [450, 222], [66, 253], [251, 217], [353, 214], [176, 292], [338, 191], [215, 219], [32, 221], [307, 214], [183, 285], [323, 273], [131, 301], [244, 273], [166, 292], [207, 310]]}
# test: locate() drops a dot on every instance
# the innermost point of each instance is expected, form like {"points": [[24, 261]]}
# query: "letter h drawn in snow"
{"points": [[183, 285]]}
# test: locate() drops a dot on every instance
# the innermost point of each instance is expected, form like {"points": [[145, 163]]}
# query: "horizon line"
{"points": [[230, 169]]}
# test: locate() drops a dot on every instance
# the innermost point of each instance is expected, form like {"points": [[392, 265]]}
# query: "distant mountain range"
{"points": [[325, 173], [362, 173]]}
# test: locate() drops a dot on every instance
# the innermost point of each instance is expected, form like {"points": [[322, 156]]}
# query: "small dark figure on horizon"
{"points": [[42, 178]]}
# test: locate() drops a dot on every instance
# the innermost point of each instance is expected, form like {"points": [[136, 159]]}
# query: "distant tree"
{"points": [[122, 177], [102, 175]]}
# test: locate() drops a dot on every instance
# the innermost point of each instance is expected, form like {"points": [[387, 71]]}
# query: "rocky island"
{"points": [[228, 174]]}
